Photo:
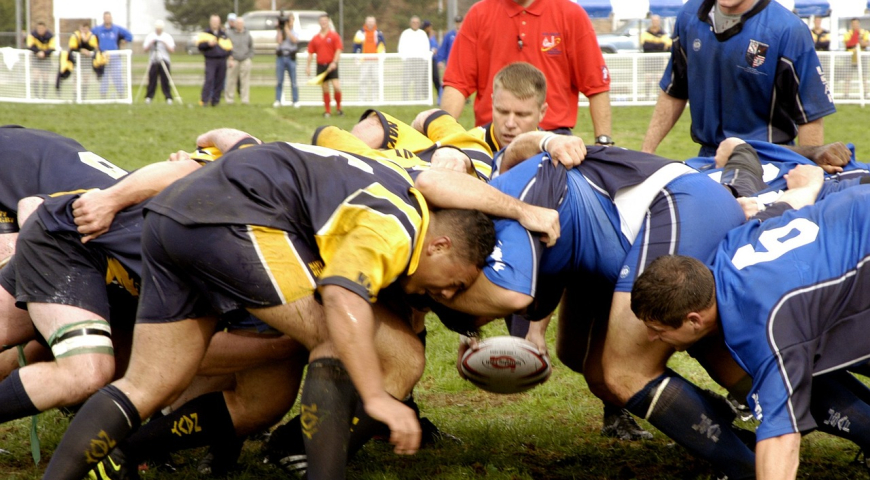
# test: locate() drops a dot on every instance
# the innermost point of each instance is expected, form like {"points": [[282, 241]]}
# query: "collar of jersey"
{"points": [[707, 7], [421, 236], [513, 9]]}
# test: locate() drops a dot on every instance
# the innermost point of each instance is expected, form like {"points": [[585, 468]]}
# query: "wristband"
{"points": [[542, 145]]}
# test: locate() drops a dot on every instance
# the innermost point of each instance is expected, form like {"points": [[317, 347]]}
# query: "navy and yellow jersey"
{"points": [[37, 162], [77, 42], [439, 130], [342, 140], [361, 215], [41, 43], [221, 49], [486, 133]]}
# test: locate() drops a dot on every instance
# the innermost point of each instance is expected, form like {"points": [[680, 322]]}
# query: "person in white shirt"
{"points": [[160, 44], [414, 49]]}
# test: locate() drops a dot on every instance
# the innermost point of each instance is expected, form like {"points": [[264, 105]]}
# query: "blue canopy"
{"points": [[665, 8], [596, 8], [805, 8]]}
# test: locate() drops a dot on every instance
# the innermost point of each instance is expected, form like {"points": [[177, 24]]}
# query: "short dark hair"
{"points": [[670, 288], [472, 233]]}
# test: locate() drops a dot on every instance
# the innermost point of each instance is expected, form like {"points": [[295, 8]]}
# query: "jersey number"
{"points": [[773, 244], [95, 161]]}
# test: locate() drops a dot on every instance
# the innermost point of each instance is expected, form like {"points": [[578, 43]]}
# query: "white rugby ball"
{"points": [[505, 365]]}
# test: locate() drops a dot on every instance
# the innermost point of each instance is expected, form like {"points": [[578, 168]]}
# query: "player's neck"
{"points": [[524, 3]]}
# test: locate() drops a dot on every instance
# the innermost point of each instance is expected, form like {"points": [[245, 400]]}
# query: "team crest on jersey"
{"points": [[756, 53], [550, 43]]}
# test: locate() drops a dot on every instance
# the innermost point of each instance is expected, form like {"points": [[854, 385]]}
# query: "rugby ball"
{"points": [[505, 365]]}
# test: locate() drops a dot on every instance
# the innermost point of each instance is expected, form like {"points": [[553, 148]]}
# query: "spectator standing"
{"points": [[654, 38], [160, 44], [288, 39], [369, 41], [433, 47], [821, 37], [446, 45], [326, 46], [239, 62], [856, 38], [762, 55], [414, 47], [112, 37], [231, 21], [42, 43], [215, 46], [554, 35]]}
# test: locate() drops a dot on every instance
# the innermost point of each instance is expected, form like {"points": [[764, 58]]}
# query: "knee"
{"points": [[571, 357], [85, 380], [401, 374]]}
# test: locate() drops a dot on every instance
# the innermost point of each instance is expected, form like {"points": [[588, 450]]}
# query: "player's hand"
{"points": [[404, 427], [465, 344], [536, 337], [179, 156], [451, 159], [749, 206], [421, 118], [542, 220], [212, 43], [832, 157], [40, 54], [93, 212], [804, 176], [332, 66], [567, 150]]}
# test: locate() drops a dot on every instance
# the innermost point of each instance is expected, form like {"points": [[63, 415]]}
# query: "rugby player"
{"points": [[619, 210], [786, 292], [294, 195]]}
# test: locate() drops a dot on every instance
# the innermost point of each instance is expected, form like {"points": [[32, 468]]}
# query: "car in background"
{"points": [[626, 38], [263, 25]]}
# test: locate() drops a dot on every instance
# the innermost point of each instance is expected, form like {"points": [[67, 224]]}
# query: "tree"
{"points": [[194, 14]]}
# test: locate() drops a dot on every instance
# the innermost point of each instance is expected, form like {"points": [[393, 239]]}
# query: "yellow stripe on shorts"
{"points": [[286, 269]]}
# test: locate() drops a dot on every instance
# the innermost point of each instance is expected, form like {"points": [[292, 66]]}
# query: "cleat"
{"points": [[326, 115], [114, 467], [286, 449], [739, 408], [276, 104], [621, 425], [220, 459], [432, 434], [341, 113]]}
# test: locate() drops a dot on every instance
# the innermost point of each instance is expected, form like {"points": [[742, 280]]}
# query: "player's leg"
{"points": [[324, 87], [33, 352], [839, 405], [151, 89], [336, 91]]}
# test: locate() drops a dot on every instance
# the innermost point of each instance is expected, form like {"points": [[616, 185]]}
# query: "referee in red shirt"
{"points": [[327, 46]]}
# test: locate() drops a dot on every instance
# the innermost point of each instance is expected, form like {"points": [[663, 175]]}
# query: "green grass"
{"points": [[550, 432]]}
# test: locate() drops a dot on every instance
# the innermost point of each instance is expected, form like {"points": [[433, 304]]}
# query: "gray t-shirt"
{"points": [[243, 44]]}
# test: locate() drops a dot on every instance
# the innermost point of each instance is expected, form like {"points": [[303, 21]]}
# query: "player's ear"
{"points": [[439, 245], [544, 108], [695, 320]]}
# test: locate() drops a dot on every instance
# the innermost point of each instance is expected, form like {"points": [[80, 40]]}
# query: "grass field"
{"points": [[550, 432]]}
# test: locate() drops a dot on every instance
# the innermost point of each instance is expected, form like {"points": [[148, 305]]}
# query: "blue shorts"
{"points": [[689, 217]]}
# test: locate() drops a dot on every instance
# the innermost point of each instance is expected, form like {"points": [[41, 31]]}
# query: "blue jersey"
{"points": [[602, 204], [758, 83], [109, 36], [446, 45], [792, 302], [776, 161]]}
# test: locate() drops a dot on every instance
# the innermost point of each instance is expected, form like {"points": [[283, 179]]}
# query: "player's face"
{"points": [[324, 22], [107, 18], [214, 22], [680, 338], [734, 7], [512, 116], [441, 276]]}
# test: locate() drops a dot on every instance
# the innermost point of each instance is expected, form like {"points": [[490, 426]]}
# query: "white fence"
{"points": [[26, 78], [366, 80], [370, 79], [634, 77]]}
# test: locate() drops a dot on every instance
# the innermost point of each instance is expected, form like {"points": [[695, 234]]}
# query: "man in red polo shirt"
{"points": [[554, 35], [326, 46]]}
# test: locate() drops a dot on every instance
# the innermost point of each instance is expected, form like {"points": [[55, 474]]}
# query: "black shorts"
{"points": [[333, 75], [58, 268], [195, 271]]}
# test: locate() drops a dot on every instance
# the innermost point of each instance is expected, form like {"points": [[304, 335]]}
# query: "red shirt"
{"points": [[325, 47], [557, 37]]}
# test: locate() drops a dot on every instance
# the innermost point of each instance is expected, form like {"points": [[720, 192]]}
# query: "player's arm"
{"points": [[831, 157], [450, 189], [599, 109], [452, 101], [335, 59], [665, 115], [777, 458], [224, 139], [565, 149], [483, 298], [812, 133]]}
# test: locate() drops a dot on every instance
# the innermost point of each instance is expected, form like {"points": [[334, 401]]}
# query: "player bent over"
{"points": [[298, 219], [786, 291]]}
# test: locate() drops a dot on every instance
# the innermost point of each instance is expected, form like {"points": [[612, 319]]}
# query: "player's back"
{"points": [[796, 277], [292, 187], [41, 162]]}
